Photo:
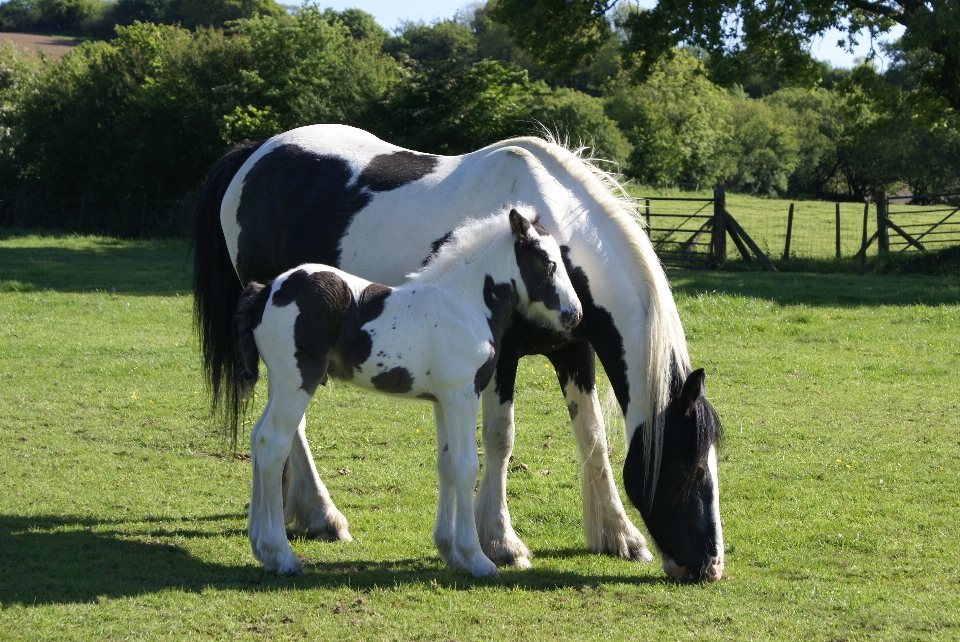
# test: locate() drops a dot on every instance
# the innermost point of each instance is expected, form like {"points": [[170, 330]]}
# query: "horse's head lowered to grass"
{"points": [[680, 501]]}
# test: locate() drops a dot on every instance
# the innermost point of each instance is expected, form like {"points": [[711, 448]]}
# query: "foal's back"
{"points": [[414, 341]]}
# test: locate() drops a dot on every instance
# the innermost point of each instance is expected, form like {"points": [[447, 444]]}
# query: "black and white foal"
{"points": [[437, 337]]}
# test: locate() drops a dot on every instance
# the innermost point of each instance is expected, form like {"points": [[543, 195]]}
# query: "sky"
{"points": [[390, 13]]}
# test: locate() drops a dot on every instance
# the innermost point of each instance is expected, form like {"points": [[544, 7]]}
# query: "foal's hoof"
{"points": [[327, 535], [481, 566], [297, 572]]}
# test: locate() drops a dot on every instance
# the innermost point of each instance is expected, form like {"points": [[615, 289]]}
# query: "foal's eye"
{"points": [[551, 268]]}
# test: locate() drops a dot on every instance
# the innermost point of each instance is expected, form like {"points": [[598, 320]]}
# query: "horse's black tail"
{"points": [[216, 288], [241, 380]]}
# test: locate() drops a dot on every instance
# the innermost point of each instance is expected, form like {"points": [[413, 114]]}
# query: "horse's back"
{"points": [[341, 196]]}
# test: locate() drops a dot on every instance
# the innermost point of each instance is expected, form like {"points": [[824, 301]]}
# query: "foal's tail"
{"points": [[216, 288], [240, 381]]}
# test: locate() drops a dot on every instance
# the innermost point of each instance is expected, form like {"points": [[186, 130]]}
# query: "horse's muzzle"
{"points": [[712, 572]]}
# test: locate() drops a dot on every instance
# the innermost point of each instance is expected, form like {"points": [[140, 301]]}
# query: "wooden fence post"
{"points": [[718, 239], [838, 230], [646, 208], [883, 235], [143, 214], [786, 244], [863, 243]]}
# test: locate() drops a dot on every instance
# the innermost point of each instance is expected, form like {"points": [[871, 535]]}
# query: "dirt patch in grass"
{"points": [[53, 46]]}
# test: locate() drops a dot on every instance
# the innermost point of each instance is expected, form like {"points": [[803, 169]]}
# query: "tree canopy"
{"points": [[737, 34]]}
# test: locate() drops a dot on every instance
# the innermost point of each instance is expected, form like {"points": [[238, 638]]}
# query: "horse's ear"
{"points": [[691, 391], [519, 224]]}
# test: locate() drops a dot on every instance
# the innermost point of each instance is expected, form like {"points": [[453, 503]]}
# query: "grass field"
{"points": [[121, 517]]}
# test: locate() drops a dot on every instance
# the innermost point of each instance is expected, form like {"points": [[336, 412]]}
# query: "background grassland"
{"points": [[121, 517]]}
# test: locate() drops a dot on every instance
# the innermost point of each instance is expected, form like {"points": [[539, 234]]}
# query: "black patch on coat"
{"points": [[396, 380], [501, 300], [328, 332], [326, 304], [372, 300], [435, 248], [536, 270], [598, 328], [389, 171], [576, 363], [574, 409], [296, 206]]}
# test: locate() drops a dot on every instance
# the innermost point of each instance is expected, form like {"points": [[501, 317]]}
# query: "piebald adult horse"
{"points": [[340, 196]]}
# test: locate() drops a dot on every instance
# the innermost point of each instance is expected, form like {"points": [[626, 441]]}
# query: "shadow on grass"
{"points": [[65, 263], [68, 559], [820, 289]]}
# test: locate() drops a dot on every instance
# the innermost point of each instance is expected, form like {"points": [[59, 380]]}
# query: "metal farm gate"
{"points": [[692, 232], [919, 227]]}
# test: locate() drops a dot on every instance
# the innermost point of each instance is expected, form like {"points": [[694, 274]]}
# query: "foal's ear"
{"points": [[519, 225], [691, 391]]}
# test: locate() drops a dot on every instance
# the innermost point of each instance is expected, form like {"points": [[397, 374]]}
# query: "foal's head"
{"points": [[544, 288]]}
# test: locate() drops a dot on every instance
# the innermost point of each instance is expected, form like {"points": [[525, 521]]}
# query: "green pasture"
{"points": [[122, 515]]}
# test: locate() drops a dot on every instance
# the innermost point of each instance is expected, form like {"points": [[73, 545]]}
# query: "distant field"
{"points": [[814, 222], [121, 517], [53, 46]]}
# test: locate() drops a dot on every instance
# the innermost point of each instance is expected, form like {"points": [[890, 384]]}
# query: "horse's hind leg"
{"points": [[497, 537], [605, 524], [307, 507], [457, 466], [270, 443]]}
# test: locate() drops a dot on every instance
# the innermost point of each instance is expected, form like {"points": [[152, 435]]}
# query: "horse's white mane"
{"points": [[664, 354]]}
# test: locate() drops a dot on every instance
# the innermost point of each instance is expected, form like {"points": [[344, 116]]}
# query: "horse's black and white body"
{"points": [[435, 337], [337, 195]]}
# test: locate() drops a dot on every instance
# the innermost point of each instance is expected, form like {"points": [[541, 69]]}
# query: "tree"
{"points": [[452, 108], [771, 34], [678, 122]]}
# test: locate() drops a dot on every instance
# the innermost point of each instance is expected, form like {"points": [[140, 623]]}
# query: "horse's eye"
{"points": [[551, 268]]}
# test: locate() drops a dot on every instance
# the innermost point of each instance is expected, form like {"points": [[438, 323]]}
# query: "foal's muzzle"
{"points": [[571, 318]]}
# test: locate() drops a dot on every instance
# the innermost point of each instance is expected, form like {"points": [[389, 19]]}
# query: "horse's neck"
{"points": [[467, 268]]}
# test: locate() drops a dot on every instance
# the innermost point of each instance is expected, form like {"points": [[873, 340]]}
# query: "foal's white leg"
{"points": [[307, 506], [605, 524], [457, 465], [497, 537], [443, 527], [269, 446]]}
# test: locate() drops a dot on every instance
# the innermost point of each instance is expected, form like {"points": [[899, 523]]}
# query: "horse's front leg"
{"points": [[307, 507], [605, 524], [457, 467], [270, 443], [497, 537]]}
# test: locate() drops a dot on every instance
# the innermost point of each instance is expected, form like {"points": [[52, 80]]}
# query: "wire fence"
{"points": [[123, 218]]}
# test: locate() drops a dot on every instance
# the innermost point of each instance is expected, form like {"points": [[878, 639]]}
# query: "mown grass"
{"points": [[121, 517]]}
